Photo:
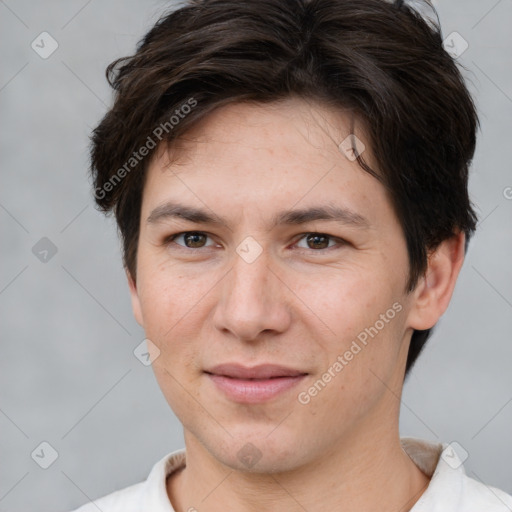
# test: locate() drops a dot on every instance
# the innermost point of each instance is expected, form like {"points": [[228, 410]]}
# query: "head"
{"points": [[250, 112]]}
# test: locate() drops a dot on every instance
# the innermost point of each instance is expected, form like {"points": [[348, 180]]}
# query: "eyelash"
{"points": [[168, 240]]}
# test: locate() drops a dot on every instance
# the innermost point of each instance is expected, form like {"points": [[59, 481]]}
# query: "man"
{"points": [[290, 182]]}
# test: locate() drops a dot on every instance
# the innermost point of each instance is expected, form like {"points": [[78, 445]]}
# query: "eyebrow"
{"points": [[346, 216]]}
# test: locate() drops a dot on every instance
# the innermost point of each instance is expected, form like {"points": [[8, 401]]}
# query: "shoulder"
{"points": [[475, 494], [148, 495], [450, 488], [123, 500]]}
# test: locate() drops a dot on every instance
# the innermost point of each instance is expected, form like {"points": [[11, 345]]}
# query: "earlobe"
{"points": [[434, 290], [137, 310]]}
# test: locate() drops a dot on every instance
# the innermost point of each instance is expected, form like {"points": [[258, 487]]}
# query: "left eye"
{"points": [[318, 241]]}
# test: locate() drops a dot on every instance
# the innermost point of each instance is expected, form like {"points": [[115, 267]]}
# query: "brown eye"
{"points": [[320, 242], [191, 239], [194, 240], [317, 241]]}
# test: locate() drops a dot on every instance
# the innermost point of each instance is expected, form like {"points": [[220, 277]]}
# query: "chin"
{"points": [[257, 453]]}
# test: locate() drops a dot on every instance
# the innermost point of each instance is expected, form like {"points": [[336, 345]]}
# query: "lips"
{"points": [[263, 371], [254, 385]]}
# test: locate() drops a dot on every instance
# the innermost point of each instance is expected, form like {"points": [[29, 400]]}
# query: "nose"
{"points": [[253, 301]]}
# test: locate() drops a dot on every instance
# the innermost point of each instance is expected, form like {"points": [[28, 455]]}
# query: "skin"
{"points": [[300, 303]]}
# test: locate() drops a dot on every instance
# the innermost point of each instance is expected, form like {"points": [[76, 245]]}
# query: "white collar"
{"points": [[449, 490]]}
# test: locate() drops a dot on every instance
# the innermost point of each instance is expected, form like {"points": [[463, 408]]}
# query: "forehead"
{"points": [[248, 157], [291, 127]]}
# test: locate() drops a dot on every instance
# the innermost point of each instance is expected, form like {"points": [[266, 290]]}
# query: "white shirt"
{"points": [[449, 490]]}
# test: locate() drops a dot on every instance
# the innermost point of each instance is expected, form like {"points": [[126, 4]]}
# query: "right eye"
{"points": [[193, 240]]}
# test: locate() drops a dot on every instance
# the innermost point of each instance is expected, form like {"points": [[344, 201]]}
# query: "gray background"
{"points": [[68, 373]]}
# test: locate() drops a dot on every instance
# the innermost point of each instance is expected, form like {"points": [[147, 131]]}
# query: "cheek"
{"points": [[166, 305], [345, 303], [358, 371], [166, 296], [361, 317], [170, 306]]}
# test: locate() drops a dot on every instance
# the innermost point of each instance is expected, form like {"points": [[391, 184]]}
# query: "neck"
{"points": [[366, 469]]}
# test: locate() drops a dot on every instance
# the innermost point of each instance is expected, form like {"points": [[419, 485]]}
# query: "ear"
{"points": [[137, 310], [434, 290]]}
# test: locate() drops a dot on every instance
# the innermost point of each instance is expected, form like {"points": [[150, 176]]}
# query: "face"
{"points": [[240, 265]]}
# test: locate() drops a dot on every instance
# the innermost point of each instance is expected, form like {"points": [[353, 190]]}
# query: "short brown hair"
{"points": [[379, 59]]}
